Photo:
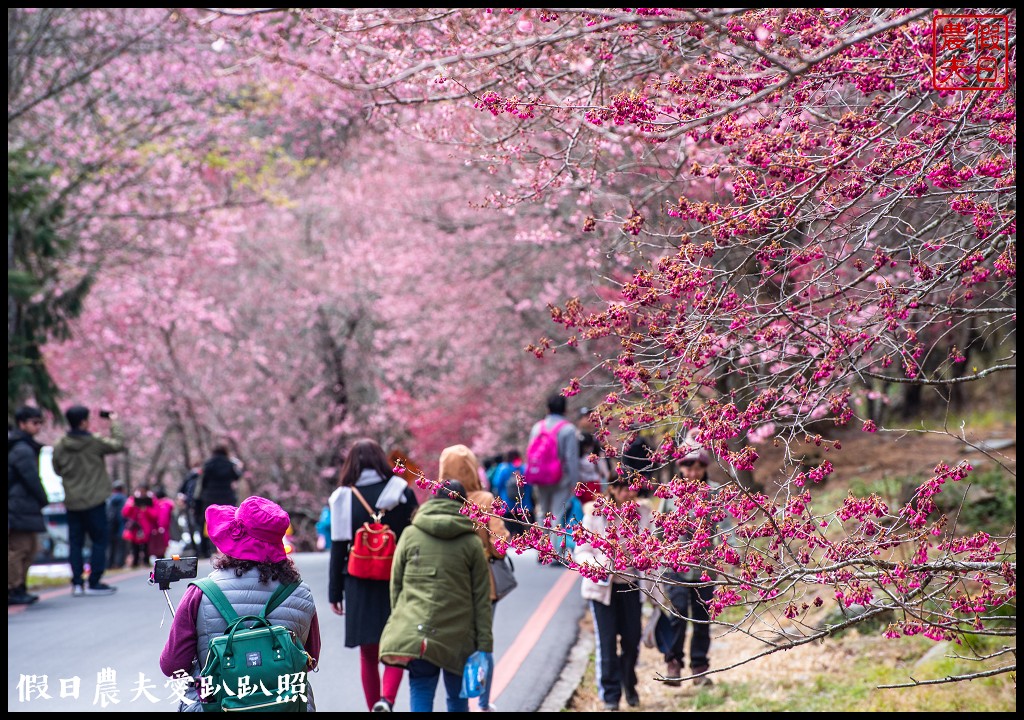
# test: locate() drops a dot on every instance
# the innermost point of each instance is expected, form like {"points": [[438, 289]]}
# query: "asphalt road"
{"points": [[100, 654]]}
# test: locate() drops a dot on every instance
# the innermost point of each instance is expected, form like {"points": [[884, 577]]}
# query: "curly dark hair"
{"points": [[283, 572]]}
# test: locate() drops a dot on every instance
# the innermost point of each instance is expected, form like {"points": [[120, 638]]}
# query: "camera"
{"points": [[105, 414], [172, 569]]}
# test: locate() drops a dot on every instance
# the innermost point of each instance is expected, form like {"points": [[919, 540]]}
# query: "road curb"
{"points": [[572, 674]]}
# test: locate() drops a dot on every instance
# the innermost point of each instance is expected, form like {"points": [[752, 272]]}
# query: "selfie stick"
{"points": [[165, 586], [171, 606]]}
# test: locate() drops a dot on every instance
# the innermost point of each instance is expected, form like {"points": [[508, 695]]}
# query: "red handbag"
{"points": [[373, 547]]}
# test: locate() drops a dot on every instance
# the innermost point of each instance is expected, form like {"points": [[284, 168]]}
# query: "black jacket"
{"points": [[188, 488], [26, 496], [218, 475]]}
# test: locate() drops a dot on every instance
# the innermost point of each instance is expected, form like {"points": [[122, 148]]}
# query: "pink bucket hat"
{"points": [[252, 531]]}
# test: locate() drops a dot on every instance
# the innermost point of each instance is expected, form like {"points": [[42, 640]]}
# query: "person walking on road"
{"points": [[554, 499], [138, 525], [516, 495], [251, 566], [80, 458], [459, 463], [187, 499], [690, 603], [440, 600], [26, 499], [162, 514], [217, 487], [616, 602], [592, 483], [117, 550], [365, 603]]}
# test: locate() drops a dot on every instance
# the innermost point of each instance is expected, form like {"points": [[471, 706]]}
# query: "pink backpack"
{"points": [[543, 466]]}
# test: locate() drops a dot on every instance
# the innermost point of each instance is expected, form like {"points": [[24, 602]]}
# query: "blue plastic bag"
{"points": [[573, 517], [475, 673]]}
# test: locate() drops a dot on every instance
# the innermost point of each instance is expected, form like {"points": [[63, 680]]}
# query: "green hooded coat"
{"points": [[440, 591]]}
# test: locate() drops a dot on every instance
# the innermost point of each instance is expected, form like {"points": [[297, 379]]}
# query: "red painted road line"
{"points": [[66, 590], [511, 661]]}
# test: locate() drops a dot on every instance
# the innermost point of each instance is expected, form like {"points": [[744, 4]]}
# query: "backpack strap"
{"points": [[279, 596], [218, 598], [224, 607], [555, 429], [375, 516]]}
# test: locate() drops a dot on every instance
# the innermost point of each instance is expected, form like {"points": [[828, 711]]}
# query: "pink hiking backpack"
{"points": [[543, 466]]}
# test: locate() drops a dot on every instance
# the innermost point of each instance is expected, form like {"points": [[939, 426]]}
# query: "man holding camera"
{"points": [[80, 459]]}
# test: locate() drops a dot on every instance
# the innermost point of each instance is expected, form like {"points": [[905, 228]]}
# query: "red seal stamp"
{"points": [[970, 52]]}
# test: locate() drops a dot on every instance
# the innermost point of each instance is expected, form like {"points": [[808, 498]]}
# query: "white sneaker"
{"points": [[77, 591], [100, 589], [490, 708], [381, 705]]}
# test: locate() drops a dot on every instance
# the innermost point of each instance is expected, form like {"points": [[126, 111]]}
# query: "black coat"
{"points": [[219, 473], [367, 602], [188, 488], [26, 496]]}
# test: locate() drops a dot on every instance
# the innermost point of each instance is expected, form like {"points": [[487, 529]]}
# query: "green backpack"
{"points": [[260, 668]]}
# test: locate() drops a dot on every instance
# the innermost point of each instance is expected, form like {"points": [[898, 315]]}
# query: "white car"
{"points": [[54, 542]]}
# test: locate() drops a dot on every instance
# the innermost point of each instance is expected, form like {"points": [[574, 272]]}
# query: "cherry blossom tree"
{"points": [[749, 225], [130, 152], [297, 318], [815, 222], [312, 323]]}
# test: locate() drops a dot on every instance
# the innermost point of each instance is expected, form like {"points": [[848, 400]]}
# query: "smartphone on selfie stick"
{"points": [[172, 569]]}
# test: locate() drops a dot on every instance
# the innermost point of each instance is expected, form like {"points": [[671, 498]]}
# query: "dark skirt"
{"points": [[367, 608]]}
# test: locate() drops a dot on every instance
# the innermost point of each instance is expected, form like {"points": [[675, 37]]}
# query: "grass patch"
{"points": [[710, 699], [985, 500], [890, 488], [989, 502], [43, 583], [842, 674], [855, 688], [982, 420]]}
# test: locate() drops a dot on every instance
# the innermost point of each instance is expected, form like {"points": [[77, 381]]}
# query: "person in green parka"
{"points": [[440, 600]]}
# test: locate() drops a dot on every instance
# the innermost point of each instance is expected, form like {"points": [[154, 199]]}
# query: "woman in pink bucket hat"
{"points": [[251, 565]]}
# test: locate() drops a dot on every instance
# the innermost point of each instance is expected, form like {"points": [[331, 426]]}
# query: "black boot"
{"points": [[17, 596]]}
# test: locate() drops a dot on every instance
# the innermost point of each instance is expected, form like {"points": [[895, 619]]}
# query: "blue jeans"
{"points": [[552, 499], [94, 523], [423, 684]]}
